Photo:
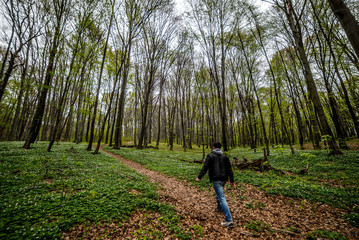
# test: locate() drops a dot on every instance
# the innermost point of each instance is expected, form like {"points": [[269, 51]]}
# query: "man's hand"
{"points": [[197, 179], [233, 184]]}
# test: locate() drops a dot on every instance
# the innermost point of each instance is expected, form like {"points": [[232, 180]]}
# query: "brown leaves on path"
{"points": [[256, 214]]}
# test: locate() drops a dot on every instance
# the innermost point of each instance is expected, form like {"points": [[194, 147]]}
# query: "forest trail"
{"points": [[250, 208]]}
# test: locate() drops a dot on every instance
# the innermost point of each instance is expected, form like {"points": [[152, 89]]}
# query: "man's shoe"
{"points": [[227, 224]]}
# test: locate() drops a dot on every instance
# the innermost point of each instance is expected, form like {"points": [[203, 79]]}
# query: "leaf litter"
{"points": [[256, 214]]}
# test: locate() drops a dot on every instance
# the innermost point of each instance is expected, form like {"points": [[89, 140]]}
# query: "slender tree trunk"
{"points": [[256, 94], [8, 72], [348, 22], [89, 147], [337, 119], [312, 88], [313, 125], [7, 53], [344, 89], [102, 131], [147, 93], [79, 121], [15, 125], [39, 112], [121, 104], [159, 114], [56, 129]]}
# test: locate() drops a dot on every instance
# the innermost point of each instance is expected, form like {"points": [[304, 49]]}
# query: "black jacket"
{"points": [[218, 165]]}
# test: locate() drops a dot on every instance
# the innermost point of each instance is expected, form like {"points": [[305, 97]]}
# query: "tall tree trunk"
{"points": [[146, 98], [8, 72], [7, 52], [348, 22], [56, 128], [311, 86], [89, 147], [313, 125], [159, 113], [102, 131], [250, 68], [121, 104], [39, 112], [344, 89], [337, 119], [15, 125]]}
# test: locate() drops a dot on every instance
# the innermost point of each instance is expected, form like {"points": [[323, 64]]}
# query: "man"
{"points": [[219, 170]]}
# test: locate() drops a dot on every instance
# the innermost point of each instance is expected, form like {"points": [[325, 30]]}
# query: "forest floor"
{"points": [[256, 214], [353, 145]]}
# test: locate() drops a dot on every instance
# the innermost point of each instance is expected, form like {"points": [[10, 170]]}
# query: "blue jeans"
{"points": [[222, 204]]}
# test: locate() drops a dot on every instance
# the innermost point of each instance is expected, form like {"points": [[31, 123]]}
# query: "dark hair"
{"points": [[217, 145]]}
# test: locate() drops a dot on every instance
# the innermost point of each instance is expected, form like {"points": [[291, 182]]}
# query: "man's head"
{"points": [[217, 145]]}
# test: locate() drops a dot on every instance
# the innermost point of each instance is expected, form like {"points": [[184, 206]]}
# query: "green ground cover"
{"points": [[331, 179], [43, 194]]}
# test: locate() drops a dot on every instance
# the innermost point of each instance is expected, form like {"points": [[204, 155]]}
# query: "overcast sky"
{"points": [[181, 5]]}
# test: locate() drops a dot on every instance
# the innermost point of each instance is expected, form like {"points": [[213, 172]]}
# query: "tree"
{"points": [[22, 17], [215, 24], [137, 13], [295, 25], [61, 9], [348, 22], [89, 147], [157, 34]]}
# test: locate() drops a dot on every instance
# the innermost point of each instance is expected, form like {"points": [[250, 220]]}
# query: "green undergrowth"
{"points": [[168, 162], [43, 194], [320, 234], [331, 179]]}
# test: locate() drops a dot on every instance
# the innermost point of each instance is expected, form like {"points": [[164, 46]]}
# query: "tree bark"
{"points": [[348, 22], [39, 112], [89, 147], [311, 86]]}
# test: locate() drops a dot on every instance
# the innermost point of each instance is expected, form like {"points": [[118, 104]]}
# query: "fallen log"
{"points": [[134, 146], [194, 161], [261, 164], [128, 146], [256, 165]]}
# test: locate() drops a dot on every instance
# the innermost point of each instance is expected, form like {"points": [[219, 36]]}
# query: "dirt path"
{"points": [[249, 206]]}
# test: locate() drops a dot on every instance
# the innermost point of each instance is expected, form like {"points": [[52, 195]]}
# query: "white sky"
{"points": [[181, 5]]}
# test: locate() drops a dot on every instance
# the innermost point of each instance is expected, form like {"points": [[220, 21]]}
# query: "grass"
{"points": [[333, 180], [43, 194]]}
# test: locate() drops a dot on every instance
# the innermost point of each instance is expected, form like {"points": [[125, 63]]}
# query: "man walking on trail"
{"points": [[219, 170]]}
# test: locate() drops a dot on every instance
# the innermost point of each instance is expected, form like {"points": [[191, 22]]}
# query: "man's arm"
{"points": [[229, 170], [204, 169]]}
